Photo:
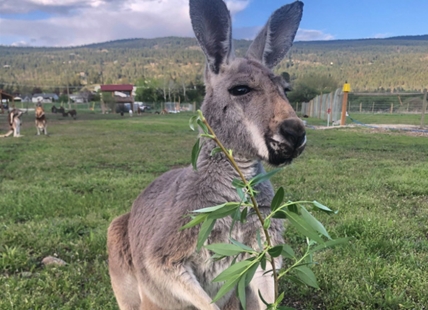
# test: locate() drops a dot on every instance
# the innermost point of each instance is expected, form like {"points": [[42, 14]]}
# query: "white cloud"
{"points": [[381, 35], [236, 6], [20, 43], [312, 35], [78, 22]]}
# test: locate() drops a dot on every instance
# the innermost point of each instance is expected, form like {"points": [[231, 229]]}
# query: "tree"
{"points": [[310, 86], [148, 90]]}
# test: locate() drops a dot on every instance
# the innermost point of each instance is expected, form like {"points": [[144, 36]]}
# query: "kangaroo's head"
{"points": [[245, 102]]}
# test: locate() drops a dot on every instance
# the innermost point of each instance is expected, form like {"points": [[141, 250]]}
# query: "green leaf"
{"points": [[263, 261], [250, 273], [244, 215], [241, 194], [236, 215], [287, 251], [302, 227], [329, 244], [195, 154], [306, 275], [277, 199], [241, 292], [322, 207], [228, 209], [266, 224], [215, 150], [279, 299], [234, 270], [203, 126], [225, 249], [259, 240], [195, 221], [238, 183], [293, 208], [192, 122], [311, 220], [241, 245], [279, 214], [227, 286], [227, 205], [264, 176], [204, 232], [275, 251]]}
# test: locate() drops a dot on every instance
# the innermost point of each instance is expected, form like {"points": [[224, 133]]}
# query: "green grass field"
{"points": [[59, 193]]}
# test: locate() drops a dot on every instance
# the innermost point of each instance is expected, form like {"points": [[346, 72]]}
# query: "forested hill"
{"points": [[399, 63]]}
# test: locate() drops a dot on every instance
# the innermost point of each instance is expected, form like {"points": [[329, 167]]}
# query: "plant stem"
{"points": [[253, 199], [297, 263]]}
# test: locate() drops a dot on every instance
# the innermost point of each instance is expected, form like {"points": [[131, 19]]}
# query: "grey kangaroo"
{"points": [[152, 263]]}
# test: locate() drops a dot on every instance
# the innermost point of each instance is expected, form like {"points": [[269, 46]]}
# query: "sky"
{"points": [[61, 23]]}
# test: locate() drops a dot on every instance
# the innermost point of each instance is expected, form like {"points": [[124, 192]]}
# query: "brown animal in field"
{"points": [[41, 122], [153, 264], [72, 113], [14, 121]]}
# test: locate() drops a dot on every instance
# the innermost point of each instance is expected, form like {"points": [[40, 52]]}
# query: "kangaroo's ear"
{"points": [[276, 37], [213, 29]]}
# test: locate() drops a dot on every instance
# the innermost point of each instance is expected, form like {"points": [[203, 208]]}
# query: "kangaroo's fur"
{"points": [[152, 263]]}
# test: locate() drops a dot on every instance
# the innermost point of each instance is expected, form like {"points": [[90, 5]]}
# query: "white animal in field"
{"points": [[152, 263], [14, 121]]}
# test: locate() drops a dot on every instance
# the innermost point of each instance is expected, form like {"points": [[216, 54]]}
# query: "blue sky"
{"points": [[78, 22]]}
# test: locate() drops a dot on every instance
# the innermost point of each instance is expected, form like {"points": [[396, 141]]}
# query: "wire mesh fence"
{"points": [[377, 108]]}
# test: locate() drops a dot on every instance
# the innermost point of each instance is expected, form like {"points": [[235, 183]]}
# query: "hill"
{"points": [[397, 63]]}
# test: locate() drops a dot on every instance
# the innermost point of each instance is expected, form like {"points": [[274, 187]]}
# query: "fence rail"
{"points": [[328, 107]]}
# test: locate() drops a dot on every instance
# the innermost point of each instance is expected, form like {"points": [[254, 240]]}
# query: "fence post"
{"points": [[392, 108], [424, 107], [361, 107], [346, 89], [373, 107]]}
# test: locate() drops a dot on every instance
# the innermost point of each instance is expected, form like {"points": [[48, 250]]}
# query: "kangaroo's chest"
{"points": [[207, 269]]}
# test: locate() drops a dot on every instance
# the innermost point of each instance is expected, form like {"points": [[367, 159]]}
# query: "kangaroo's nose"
{"points": [[293, 130]]}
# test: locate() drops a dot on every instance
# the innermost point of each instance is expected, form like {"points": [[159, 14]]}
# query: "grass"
{"points": [[59, 194]]}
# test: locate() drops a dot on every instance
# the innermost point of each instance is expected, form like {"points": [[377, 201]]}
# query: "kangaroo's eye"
{"points": [[239, 90]]}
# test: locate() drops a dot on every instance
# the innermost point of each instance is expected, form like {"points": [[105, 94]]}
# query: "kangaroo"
{"points": [[14, 121], [152, 263], [40, 121]]}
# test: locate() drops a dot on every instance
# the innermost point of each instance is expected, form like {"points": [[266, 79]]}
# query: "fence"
{"points": [[329, 106], [326, 106]]}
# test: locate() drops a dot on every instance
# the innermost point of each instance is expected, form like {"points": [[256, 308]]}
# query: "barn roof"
{"points": [[5, 95], [117, 87]]}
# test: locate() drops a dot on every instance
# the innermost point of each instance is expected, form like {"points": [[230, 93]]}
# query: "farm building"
{"points": [[121, 93], [7, 97]]}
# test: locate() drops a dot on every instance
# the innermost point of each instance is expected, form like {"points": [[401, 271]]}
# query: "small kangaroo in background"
{"points": [[152, 263], [14, 121], [40, 121]]}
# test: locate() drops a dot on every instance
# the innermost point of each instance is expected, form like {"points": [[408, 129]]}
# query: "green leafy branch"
{"points": [[240, 273]]}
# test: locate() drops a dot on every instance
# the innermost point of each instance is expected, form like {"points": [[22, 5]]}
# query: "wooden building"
{"points": [[4, 95], [122, 93]]}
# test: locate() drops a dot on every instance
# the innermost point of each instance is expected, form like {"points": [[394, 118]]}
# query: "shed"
{"points": [[122, 93], [4, 95]]}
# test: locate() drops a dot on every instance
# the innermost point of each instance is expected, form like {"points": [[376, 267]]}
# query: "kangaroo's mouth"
{"points": [[283, 153], [287, 144]]}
